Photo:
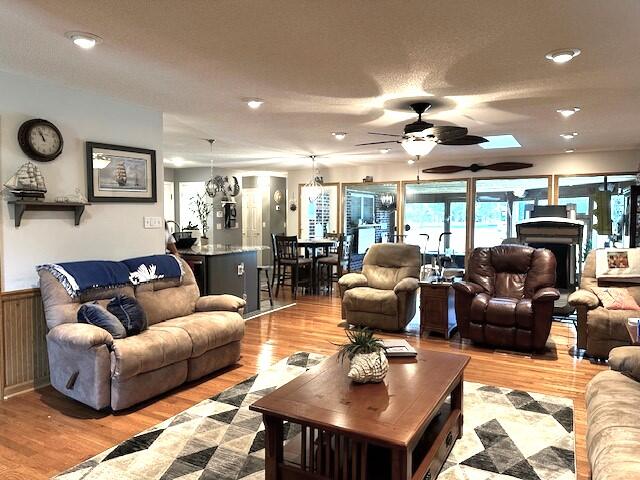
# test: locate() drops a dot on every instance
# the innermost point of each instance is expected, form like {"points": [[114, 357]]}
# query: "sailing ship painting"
{"points": [[27, 182], [123, 173]]}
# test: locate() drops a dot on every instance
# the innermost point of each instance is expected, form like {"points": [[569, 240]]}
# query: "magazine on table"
{"points": [[398, 348]]}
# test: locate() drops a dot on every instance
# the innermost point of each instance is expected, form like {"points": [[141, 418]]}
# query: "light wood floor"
{"points": [[43, 433]]}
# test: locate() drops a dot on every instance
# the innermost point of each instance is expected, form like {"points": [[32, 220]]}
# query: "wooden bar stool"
{"points": [[266, 269]]}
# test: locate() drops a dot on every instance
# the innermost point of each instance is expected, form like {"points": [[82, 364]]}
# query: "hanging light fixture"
{"points": [[313, 187], [210, 186], [418, 146]]}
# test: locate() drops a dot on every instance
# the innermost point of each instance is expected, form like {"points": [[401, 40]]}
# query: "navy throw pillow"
{"points": [[129, 312], [94, 314]]}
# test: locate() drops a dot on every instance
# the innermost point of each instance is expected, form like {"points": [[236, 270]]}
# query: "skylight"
{"points": [[500, 141]]}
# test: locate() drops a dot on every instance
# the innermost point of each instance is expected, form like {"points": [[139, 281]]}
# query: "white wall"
{"points": [[561, 164], [106, 231]]}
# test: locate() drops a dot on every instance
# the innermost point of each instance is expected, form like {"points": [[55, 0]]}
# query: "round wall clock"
{"points": [[277, 197], [40, 140]]}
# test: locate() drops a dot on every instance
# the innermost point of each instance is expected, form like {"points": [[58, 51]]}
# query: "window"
{"points": [[320, 217], [435, 207], [362, 208], [599, 201], [501, 204]]}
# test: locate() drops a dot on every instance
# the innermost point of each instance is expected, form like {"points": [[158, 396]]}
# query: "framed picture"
{"points": [[120, 174]]}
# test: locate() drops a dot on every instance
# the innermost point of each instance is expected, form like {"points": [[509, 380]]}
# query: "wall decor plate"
{"points": [[120, 174]]}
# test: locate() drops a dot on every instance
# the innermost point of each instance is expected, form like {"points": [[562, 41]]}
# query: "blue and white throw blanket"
{"points": [[153, 267], [78, 277]]}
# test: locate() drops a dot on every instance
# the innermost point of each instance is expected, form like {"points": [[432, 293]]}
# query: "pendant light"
{"points": [[210, 185], [313, 187]]}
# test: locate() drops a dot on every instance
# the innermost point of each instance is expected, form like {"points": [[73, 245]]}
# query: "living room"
{"points": [[319, 240]]}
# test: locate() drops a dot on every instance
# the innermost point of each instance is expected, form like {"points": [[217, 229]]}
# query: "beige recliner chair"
{"points": [[600, 330], [383, 296]]}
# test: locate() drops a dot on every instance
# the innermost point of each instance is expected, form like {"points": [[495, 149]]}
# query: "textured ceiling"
{"points": [[330, 65]]}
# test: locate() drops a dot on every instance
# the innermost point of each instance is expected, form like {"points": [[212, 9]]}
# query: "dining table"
{"points": [[311, 247]]}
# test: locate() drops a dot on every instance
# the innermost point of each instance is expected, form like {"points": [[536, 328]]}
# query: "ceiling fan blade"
{"points": [[508, 166], [385, 134], [377, 143], [445, 169], [446, 133], [466, 140]]}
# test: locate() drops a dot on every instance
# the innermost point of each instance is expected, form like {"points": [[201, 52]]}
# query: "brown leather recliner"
{"points": [[507, 298]]}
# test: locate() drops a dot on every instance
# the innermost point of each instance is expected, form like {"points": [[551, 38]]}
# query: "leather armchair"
{"points": [[384, 295], [600, 330], [508, 296]]}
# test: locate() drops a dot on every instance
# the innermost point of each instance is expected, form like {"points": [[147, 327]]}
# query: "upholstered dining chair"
{"points": [[507, 297], [384, 295]]}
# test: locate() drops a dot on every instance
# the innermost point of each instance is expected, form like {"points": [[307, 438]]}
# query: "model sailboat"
{"points": [[27, 182]]}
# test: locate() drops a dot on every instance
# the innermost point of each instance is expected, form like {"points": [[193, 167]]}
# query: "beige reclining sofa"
{"points": [[188, 337]]}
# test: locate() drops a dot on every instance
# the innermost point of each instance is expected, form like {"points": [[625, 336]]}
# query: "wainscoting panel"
{"points": [[24, 349]]}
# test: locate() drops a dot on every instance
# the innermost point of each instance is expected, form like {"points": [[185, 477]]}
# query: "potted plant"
{"points": [[366, 354], [202, 209]]}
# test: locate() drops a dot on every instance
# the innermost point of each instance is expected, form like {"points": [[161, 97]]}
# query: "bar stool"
{"points": [[340, 258], [300, 268], [266, 269]]}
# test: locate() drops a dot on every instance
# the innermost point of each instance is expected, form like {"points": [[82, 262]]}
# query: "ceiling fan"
{"points": [[420, 137]]}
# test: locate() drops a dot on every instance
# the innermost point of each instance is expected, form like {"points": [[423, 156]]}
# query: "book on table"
{"points": [[398, 348]]}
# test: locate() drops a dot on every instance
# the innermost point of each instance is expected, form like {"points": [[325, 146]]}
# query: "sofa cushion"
{"points": [[150, 350], [616, 298], [130, 313], [372, 300], [613, 436], [207, 330], [97, 315]]}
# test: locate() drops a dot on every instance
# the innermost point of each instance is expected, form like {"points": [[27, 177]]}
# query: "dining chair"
{"points": [[300, 268], [339, 257]]}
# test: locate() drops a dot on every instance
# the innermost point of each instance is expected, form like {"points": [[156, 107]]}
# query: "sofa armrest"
{"points": [[227, 303], [80, 335], [408, 284], [547, 294], [626, 360], [582, 297], [468, 288], [352, 280]]}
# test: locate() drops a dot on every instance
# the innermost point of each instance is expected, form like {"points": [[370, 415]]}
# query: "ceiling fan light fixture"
{"points": [[563, 55], [567, 112], [339, 135], [417, 146]]}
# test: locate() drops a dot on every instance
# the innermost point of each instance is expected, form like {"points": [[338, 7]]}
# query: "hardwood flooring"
{"points": [[43, 433]]}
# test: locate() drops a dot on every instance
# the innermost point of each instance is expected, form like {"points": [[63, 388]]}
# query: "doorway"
{"points": [[252, 219], [169, 202]]}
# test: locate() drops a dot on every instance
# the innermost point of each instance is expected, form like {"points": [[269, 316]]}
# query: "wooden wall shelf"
{"points": [[22, 206]]}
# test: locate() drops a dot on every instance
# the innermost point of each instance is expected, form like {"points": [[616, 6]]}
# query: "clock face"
{"points": [[40, 140], [44, 140]]}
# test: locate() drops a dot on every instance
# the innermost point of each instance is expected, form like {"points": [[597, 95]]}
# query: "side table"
{"points": [[437, 309]]}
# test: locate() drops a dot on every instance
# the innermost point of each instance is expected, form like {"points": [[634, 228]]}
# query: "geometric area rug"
{"points": [[508, 434]]}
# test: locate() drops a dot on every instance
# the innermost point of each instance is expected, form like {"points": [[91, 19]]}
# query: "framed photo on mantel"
{"points": [[120, 174]]}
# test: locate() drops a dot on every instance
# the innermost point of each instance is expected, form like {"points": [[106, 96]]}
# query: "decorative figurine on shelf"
{"points": [[27, 182], [366, 353]]}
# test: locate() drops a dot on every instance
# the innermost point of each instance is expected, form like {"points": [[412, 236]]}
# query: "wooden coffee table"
{"points": [[402, 428]]}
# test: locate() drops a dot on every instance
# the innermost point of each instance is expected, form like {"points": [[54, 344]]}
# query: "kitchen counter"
{"points": [[218, 249]]}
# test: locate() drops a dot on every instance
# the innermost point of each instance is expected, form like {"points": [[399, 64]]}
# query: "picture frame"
{"points": [[116, 173]]}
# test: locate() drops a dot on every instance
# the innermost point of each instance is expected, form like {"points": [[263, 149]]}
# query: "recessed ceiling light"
{"points": [[255, 103], [569, 136], [339, 135], [569, 150], [411, 161], [563, 55], [500, 141], [83, 40], [567, 112], [385, 150]]}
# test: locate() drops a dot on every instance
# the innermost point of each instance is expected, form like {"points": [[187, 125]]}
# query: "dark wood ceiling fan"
{"points": [[474, 167], [422, 130]]}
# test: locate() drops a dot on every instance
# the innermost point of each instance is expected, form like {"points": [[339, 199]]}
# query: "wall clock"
{"points": [[277, 197], [40, 140]]}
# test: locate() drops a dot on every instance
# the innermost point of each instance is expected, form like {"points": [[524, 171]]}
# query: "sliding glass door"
{"points": [[500, 204]]}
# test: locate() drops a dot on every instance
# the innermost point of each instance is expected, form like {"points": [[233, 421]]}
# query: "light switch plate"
{"points": [[152, 222], [218, 226], [240, 269]]}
